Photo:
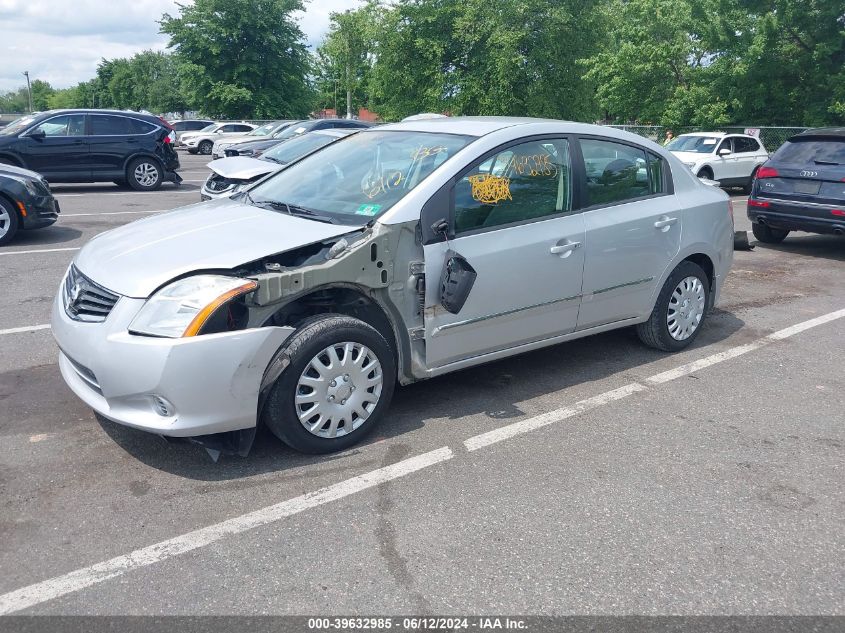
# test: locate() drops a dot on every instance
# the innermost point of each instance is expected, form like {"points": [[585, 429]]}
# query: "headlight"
{"points": [[32, 187], [182, 308]]}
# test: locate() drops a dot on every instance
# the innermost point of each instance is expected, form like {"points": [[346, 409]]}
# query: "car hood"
{"points": [[691, 157], [242, 167], [259, 144], [137, 258], [19, 172]]}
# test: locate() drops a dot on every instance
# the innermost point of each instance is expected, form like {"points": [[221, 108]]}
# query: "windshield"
{"points": [[698, 144], [210, 128], [292, 130], [812, 152], [264, 130], [360, 176], [17, 125], [295, 148]]}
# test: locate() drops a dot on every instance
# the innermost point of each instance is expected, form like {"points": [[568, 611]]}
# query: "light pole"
{"points": [[28, 89]]}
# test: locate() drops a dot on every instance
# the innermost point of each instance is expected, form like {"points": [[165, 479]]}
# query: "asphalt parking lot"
{"points": [[594, 477]]}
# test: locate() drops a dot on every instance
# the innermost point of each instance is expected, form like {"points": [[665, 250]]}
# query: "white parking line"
{"points": [[20, 330], [123, 193], [518, 428], [88, 576], [81, 578], [40, 250]]}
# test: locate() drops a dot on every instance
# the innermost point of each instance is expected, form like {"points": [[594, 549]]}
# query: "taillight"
{"points": [[838, 212], [170, 138], [757, 203], [767, 172]]}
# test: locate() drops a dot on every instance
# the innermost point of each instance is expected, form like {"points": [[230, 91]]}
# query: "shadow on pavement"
{"points": [[494, 390], [50, 235], [810, 245]]}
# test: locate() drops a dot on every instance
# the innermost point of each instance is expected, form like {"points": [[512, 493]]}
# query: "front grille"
{"points": [[218, 183], [85, 300]]}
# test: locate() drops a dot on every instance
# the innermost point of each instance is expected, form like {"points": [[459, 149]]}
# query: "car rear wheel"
{"points": [[335, 388], [767, 234], [205, 147], [680, 310], [9, 222], [144, 174]]}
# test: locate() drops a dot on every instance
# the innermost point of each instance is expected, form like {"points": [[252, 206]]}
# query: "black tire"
{"points": [[10, 222], [747, 188], [655, 332], [144, 174], [205, 147], [705, 172], [767, 234], [306, 344]]}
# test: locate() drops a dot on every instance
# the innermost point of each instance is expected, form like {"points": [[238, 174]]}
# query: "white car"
{"points": [[731, 159], [203, 140], [263, 132]]}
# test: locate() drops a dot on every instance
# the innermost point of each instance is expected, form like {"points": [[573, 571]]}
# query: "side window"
{"points": [[743, 144], [726, 144], [243, 128], [230, 127], [656, 174], [65, 125], [615, 172], [521, 183], [102, 125]]}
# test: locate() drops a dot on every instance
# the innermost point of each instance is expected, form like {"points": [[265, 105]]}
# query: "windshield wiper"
{"points": [[292, 209]]}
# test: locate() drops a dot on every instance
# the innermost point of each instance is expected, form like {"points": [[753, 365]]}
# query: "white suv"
{"points": [[204, 140], [732, 159]]}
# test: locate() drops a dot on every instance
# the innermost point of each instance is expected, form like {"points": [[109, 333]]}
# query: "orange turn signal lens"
{"points": [[204, 314], [21, 207]]}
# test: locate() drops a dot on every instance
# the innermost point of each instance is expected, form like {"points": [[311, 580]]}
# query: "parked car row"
{"points": [[730, 159]]}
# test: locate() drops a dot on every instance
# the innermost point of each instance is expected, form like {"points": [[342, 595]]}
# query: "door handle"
{"points": [[564, 250], [665, 223]]}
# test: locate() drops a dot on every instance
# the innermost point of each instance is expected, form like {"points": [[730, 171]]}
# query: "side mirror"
{"points": [[38, 135], [724, 152], [456, 282]]}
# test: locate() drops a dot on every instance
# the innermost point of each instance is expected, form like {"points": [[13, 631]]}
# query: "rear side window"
{"points": [[522, 183], [243, 128], [812, 152], [657, 174], [108, 125], [615, 172], [743, 144]]}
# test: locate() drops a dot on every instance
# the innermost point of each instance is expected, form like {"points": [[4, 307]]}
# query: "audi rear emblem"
{"points": [[809, 174]]}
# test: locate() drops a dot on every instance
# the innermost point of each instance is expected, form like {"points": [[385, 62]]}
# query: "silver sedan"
{"points": [[399, 253]]}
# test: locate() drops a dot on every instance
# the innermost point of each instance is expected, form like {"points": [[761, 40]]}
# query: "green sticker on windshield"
{"points": [[368, 209]]}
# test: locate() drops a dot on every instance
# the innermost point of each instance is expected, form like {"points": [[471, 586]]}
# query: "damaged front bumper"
{"points": [[174, 387]]}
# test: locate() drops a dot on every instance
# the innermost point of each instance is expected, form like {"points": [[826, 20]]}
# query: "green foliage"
{"points": [[241, 58]]}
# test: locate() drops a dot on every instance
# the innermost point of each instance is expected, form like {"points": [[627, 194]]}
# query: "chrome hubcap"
{"points": [[338, 390], [146, 174], [686, 308], [5, 221]]}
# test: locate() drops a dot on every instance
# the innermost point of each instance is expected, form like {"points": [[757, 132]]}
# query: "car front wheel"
{"points": [[335, 388], [767, 234], [680, 311], [9, 222], [144, 174], [205, 147]]}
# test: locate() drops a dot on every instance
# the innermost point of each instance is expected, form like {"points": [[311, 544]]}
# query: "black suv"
{"points": [[92, 146], [801, 187]]}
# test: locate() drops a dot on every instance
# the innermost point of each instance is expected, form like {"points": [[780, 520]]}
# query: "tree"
{"points": [[343, 59], [242, 58]]}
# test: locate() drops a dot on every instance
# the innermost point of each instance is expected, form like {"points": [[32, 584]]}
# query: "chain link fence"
{"points": [[771, 137]]}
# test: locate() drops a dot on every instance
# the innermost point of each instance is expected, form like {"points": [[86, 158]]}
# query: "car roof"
{"points": [[821, 132], [718, 134]]}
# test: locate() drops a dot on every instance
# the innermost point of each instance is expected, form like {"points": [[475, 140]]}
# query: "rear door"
{"points": [[633, 229], [114, 138], [62, 153], [724, 167], [513, 221], [748, 154]]}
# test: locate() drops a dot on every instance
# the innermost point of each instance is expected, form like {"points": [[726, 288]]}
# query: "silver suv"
{"points": [[397, 254]]}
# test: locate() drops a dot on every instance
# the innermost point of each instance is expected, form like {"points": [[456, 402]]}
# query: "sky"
{"points": [[62, 41]]}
